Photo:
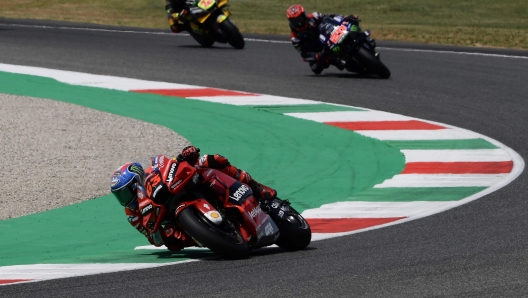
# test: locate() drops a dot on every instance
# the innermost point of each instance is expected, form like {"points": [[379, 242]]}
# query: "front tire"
{"points": [[295, 232], [233, 35], [372, 63], [224, 240]]}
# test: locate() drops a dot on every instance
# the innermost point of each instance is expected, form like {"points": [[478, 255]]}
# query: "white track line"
{"points": [[456, 155], [441, 180], [416, 135], [378, 209], [255, 40], [350, 116], [256, 100]]}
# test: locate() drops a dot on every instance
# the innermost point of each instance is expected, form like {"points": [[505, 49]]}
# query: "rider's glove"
{"points": [[155, 238], [185, 15], [190, 154], [351, 17]]}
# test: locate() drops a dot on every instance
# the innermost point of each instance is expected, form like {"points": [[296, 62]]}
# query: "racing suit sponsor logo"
{"points": [[281, 213], [172, 172], [155, 192], [239, 193], [202, 160], [173, 186], [269, 229], [256, 211], [195, 178], [146, 210]]}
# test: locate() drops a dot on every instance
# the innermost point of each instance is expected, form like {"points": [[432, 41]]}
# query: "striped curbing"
{"points": [[443, 162], [446, 166]]}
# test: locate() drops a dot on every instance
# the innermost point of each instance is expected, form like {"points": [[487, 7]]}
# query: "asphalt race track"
{"points": [[477, 250]]}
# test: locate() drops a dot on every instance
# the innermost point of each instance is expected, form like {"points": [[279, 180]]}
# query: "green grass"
{"points": [[463, 22]]}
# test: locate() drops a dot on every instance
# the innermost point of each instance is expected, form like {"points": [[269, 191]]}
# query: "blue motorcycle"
{"points": [[345, 43]]}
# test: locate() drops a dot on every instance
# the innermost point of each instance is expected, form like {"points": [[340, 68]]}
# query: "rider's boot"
{"points": [[262, 191], [316, 67], [340, 64]]}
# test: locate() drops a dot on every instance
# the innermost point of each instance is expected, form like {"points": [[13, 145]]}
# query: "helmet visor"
{"points": [[299, 21], [125, 195]]}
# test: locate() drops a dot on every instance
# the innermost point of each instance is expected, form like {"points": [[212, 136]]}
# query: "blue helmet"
{"points": [[124, 181]]}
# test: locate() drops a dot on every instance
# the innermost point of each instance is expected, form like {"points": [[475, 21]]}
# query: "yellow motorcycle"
{"points": [[210, 23]]}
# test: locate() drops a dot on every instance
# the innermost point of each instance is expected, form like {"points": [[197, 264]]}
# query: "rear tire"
{"points": [[221, 240], [233, 35], [372, 63]]}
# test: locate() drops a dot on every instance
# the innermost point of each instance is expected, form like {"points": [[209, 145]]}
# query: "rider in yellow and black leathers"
{"points": [[180, 12]]}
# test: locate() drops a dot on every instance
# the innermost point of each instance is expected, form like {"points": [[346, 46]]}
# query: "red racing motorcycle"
{"points": [[217, 211]]}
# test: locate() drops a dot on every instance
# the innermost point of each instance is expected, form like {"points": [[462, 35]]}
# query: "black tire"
{"points": [[233, 35], [224, 241], [295, 232], [317, 69], [372, 63], [204, 40]]}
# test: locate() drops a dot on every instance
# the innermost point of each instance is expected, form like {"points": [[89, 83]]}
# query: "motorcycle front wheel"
{"points": [[372, 64], [295, 232], [224, 240], [233, 35]]}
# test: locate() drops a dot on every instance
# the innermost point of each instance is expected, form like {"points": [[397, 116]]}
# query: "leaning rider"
{"points": [[305, 37], [180, 13], [127, 183]]}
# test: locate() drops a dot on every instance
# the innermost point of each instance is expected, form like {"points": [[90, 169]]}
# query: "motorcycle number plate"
{"points": [[338, 33], [206, 4]]}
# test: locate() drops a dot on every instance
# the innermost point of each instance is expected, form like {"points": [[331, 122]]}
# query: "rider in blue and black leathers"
{"points": [[305, 37]]}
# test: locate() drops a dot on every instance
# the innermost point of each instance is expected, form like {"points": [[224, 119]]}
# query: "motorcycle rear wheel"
{"points": [[221, 240], [233, 35], [372, 63], [295, 232]]}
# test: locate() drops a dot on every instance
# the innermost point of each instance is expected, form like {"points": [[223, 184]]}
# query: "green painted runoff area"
{"points": [[308, 163]]}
